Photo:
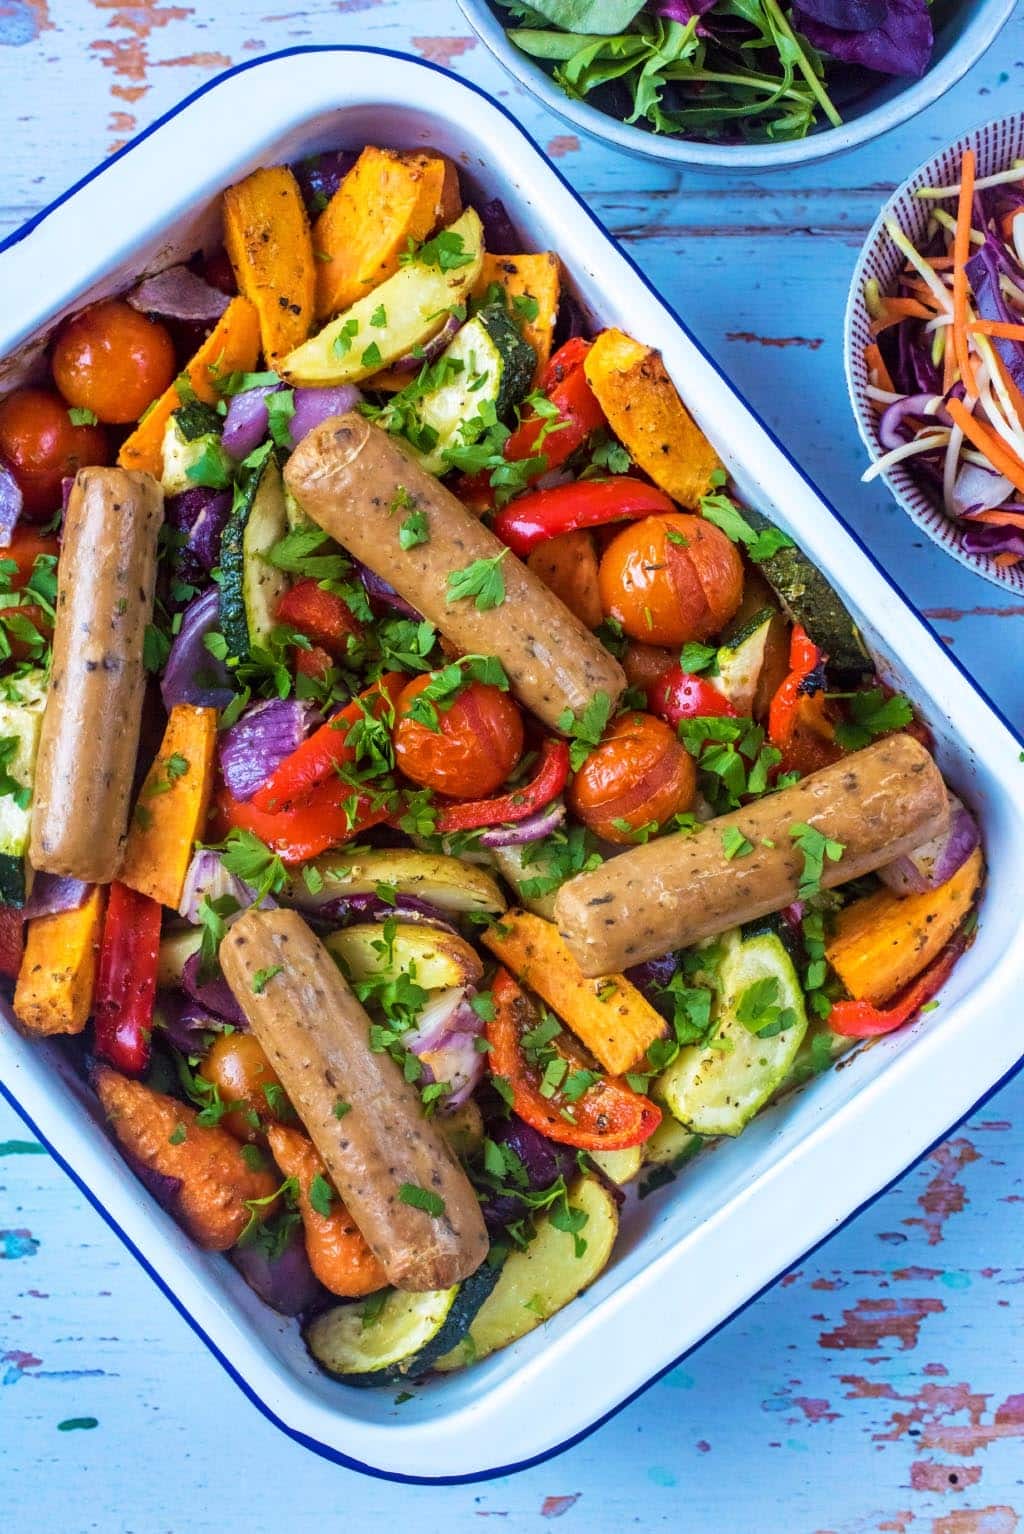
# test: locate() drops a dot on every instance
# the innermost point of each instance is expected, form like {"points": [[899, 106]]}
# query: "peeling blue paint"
{"points": [[17, 1243], [19, 24]]}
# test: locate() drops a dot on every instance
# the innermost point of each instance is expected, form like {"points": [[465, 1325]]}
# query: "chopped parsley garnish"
{"points": [[280, 409], [422, 1198], [342, 343], [446, 251], [816, 847], [156, 647], [371, 357], [695, 658], [262, 976], [759, 1008], [735, 844], [872, 713], [341, 1108], [78, 415], [585, 730], [10, 788], [175, 766], [379, 317], [526, 305], [414, 530], [247, 857], [483, 580], [720, 510], [321, 1195]]}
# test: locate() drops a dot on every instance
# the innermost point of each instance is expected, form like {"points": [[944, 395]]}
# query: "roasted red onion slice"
{"points": [[430, 350], [532, 830], [936, 861], [11, 503], [192, 674], [444, 1041], [178, 294]]}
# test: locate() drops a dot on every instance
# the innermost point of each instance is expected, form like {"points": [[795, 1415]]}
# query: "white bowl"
{"points": [[695, 1253], [966, 30], [995, 145]]}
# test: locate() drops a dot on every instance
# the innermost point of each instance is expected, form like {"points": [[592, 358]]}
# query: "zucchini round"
{"points": [[250, 587], [404, 1339]]}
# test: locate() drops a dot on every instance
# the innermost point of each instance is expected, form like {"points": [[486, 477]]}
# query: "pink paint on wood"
{"points": [[441, 50], [870, 1321], [981, 1520], [562, 144], [812, 343], [929, 1475], [556, 1507], [944, 1195]]}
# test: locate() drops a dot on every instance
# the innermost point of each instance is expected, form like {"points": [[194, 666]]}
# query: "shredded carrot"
{"points": [[998, 454], [894, 310], [961, 253], [877, 370], [920, 289], [1006, 559], [998, 328], [939, 263], [1000, 518], [1006, 224]]}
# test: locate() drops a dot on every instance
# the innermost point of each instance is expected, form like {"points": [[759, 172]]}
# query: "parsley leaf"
{"points": [[872, 713], [719, 509], [446, 251], [262, 976], [735, 844], [816, 847], [10, 787], [422, 1198], [414, 530], [483, 580], [321, 1195], [585, 730]]}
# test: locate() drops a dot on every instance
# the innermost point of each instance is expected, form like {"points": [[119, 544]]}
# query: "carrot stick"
{"points": [[1006, 559], [998, 454], [998, 328], [877, 370], [896, 309], [1000, 518], [961, 253]]}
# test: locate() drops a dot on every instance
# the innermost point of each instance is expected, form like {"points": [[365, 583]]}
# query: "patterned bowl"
{"points": [[995, 145]]}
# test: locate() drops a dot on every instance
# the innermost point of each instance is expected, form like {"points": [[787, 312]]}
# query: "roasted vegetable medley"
{"points": [[430, 800]]}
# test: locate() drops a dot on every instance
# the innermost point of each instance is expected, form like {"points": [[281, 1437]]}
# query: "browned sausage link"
{"points": [[90, 731], [360, 486], [316, 1036], [879, 803]]}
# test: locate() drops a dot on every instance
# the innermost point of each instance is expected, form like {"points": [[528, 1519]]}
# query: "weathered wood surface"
{"points": [[878, 1388]]}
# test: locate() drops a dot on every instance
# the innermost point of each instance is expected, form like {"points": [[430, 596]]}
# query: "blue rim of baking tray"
{"points": [[324, 1450]]}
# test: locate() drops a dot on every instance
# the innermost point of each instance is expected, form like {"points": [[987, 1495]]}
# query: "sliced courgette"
{"points": [[404, 1338], [403, 312], [250, 587], [819, 1049], [671, 1144], [715, 1088], [20, 723], [751, 658], [192, 452], [436, 960], [540, 1280], [488, 366], [810, 600]]}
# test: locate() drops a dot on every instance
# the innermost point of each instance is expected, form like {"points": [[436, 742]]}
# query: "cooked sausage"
{"points": [[879, 803], [317, 1038], [90, 730], [358, 484]]}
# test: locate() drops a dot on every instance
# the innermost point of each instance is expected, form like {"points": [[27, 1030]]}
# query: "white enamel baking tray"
{"points": [[691, 1256]]}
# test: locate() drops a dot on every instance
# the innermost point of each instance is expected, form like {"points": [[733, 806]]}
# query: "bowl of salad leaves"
{"points": [[757, 84], [934, 349]]}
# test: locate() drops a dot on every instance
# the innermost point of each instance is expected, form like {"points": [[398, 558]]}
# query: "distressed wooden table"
{"points": [[880, 1387]]}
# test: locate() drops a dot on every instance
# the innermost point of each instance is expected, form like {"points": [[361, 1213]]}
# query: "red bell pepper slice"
{"points": [[327, 817], [609, 1115], [12, 941], [579, 414], [678, 694], [321, 754], [126, 979], [860, 1020], [544, 514], [520, 803], [569, 356], [320, 615], [804, 659], [314, 663]]}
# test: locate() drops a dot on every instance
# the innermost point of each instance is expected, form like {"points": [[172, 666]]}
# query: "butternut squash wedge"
{"points": [[568, 566], [387, 199], [646, 414], [270, 246], [233, 346], [609, 1015], [219, 1192], [172, 805], [525, 278], [58, 968], [883, 942]]}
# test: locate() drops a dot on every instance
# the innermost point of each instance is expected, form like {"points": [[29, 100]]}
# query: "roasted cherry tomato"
{"points": [[465, 750], [314, 663], [24, 549], [679, 695], [321, 615], [41, 446], [670, 579], [608, 1116], [245, 1079], [113, 361], [638, 776]]}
